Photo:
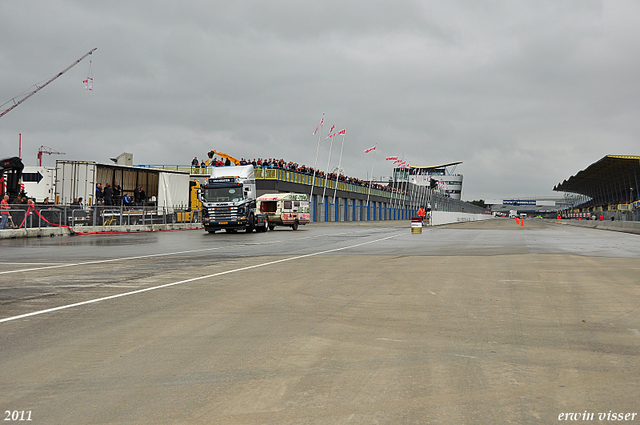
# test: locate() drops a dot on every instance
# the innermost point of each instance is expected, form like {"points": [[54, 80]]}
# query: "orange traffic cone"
{"points": [[517, 220], [522, 223]]}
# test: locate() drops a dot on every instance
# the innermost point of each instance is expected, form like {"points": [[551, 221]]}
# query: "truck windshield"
{"points": [[224, 194]]}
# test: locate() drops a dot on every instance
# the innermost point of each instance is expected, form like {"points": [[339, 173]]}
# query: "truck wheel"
{"points": [[252, 223], [272, 226], [264, 226], [294, 226], [211, 231]]}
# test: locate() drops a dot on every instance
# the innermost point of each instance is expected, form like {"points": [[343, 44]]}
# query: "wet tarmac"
{"points": [[474, 323]]}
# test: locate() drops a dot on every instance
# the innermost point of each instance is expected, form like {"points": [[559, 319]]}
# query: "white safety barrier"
{"points": [[439, 218]]}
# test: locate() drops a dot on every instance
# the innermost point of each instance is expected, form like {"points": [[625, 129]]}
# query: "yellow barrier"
{"points": [[184, 217]]}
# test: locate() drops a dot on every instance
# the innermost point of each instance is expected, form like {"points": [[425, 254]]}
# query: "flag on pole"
{"points": [[391, 158], [330, 134], [319, 125], [343, 131], [370, 149]]}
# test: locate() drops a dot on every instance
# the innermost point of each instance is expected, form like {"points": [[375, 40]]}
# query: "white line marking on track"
{"points": [[110, 260], [64, 307], [25, 264], [60, 265]]}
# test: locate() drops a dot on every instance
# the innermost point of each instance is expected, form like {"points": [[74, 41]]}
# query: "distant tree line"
{"points": [[479, 203]]}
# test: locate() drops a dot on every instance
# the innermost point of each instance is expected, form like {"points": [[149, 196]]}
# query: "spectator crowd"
{"points": [[281, 164]]}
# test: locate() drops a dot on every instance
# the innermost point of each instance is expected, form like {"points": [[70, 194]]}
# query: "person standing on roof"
{"points": [[99, 194], [108, 195], [117, 193]]}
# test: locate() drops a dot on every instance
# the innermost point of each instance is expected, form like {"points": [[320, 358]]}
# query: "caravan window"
{"points": [[268, 206], [296, 204], [287, 205]]}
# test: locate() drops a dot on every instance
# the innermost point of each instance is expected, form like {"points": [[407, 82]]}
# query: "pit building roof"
{"points": [[611, 180]]}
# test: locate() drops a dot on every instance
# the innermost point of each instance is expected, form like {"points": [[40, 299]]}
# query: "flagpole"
{"points": [[339, 165], [315, 166], [326, 176], [415, 190], [412, 201], [409, 187], [393, 186], [394, 192], [371, 178], [404, 184], [396, 188], [400, 184]]}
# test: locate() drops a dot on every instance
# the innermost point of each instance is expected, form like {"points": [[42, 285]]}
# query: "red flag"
{"points": [[319, 125], [343, 131], [370, 149], [391, 158], [329, 136]]}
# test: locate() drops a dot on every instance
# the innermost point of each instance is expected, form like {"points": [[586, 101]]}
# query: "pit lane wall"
{"points": [[439, 218], [616, 226]]}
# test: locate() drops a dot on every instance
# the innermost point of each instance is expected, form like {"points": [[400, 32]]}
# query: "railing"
{"points": [[291, 177], [41, 216], [438, 201], [307, 179]]}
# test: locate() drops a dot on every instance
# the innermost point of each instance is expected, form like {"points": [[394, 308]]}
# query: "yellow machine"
{"points": [[195, 206], [212, 153]]}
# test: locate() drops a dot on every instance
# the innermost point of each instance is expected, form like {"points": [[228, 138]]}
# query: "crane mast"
{"points": [[22, 97]]}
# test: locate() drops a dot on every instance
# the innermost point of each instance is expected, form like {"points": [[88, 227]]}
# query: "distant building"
{"points": [[448, 182]]}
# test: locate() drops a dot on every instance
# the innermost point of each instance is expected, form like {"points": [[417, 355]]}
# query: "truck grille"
{"points": [[223, 213]]}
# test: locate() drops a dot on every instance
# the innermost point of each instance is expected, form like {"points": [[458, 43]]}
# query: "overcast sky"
{"points": [[525, 94]]}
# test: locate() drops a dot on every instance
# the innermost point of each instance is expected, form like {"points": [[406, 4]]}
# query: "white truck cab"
{"points": [[229, 201]]}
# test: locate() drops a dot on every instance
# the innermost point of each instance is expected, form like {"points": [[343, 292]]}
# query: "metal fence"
{"points": [[39, 216]]}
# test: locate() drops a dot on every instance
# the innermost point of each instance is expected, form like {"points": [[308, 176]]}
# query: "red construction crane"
{"points": [[26, 95], [49, 151]]}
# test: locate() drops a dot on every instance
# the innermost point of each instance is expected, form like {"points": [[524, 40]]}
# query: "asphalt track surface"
{"points": [[472, 323]]}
